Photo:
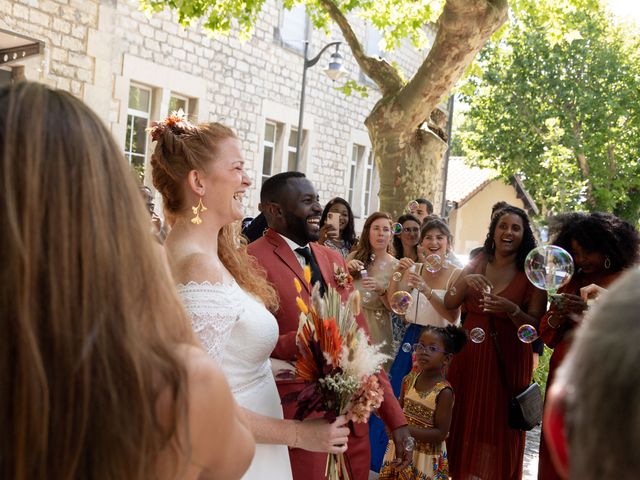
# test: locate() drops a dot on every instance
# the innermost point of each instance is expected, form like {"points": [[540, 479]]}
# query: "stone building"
{"points": [[132, 68]]}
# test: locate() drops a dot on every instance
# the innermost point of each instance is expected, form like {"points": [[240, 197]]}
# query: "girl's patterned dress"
{"points": [[429, 460]]}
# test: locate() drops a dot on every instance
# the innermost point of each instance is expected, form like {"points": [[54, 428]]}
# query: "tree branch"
{"points": [[378, 69], [464, 28]]}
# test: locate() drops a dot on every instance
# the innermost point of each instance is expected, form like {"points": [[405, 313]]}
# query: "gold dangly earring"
{"points": [[196, 211]]}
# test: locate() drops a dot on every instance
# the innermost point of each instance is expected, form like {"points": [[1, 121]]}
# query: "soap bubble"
{"points": [[406, 347], [397, 228], [400, 302], [397, 276], [412, 206], [527, 333], [433, 263], [409, 444], [549, 267], [477, 335]]}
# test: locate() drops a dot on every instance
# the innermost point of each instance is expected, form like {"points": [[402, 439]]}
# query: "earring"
{"points": [[493, 244], [196, 211], [607, 262]]}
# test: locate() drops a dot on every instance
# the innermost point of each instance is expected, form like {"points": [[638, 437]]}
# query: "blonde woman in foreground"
{"points": [[100, 375]]}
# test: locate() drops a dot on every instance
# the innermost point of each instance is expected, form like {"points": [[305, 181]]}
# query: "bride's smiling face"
{"points": [[226, 182]]}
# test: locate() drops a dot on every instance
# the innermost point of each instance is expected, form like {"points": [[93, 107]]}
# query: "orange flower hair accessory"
{"points": [[175, 119]]}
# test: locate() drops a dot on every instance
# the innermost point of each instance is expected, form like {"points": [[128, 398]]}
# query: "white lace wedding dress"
{"points": [[240, 334]]}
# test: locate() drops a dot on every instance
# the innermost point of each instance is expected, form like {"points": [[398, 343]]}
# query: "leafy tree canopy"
{"points": [[557, 100]]}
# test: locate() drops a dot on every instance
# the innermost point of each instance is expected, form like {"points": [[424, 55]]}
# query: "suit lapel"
{"points": [[325, 264], [284, 252]]}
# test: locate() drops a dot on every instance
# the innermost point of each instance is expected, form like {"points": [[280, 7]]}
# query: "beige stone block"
{"points": [[20, 11], [59, 54], [72, 44], [39, 18], [63, 84], [49, 7], [76, 88], [81, 60], [61, 25], [61, 69], [79, 32]]}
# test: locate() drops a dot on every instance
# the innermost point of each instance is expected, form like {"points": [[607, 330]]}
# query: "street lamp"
{"points": [[334, 71]]}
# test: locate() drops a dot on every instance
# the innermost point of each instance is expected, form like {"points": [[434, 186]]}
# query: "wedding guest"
{"points": [[290, 203], [406, 244], [100, 374], [592, 410], [423, 209], [602, 247], [373, 256], [427, 400], [499, 299], [199, 170], [344, 238]]}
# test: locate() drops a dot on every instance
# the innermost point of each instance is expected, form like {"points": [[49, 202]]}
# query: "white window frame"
{"points": [[187, 102], [367, 194], [131, 112], [269, 143]]}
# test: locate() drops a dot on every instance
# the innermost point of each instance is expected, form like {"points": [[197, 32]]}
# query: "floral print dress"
{"points": [[430, 460]]}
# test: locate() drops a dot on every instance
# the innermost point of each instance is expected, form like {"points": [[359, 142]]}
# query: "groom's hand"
{"points": [[401, 437]]}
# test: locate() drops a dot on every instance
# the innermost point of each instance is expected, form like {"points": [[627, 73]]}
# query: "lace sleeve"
{"points": [[213, 309]]}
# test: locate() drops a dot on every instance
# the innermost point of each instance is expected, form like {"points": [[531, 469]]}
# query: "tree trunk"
{"points": [[408, 171]]}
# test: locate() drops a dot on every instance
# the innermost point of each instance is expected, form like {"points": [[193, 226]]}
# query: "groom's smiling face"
{"points": [[301, 212]]}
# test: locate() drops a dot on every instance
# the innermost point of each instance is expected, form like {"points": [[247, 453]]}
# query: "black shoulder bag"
{"points": [[525, 409]]}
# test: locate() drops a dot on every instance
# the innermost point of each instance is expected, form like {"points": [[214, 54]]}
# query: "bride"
{"points": [[199, 170]]}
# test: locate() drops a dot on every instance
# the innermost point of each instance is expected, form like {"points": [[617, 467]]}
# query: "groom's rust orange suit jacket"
{"points": [[282, 266]]}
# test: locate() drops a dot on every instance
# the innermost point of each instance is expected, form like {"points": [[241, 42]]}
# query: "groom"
{"points": [[290, 204]]}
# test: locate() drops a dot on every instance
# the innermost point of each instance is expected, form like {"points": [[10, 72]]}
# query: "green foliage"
{"points": [[556, 100], [541, 373], [351, 86], [395, 19]]}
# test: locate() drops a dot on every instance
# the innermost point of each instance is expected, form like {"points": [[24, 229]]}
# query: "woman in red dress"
{"points": [[602, 247], [481, 445]]}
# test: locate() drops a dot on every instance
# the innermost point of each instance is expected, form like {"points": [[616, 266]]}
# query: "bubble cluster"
{"points": [[397, 228], [406, 347], [433, 263], [527, 333], [549, 267], [477, 335], [397, 276], [400, 302]]}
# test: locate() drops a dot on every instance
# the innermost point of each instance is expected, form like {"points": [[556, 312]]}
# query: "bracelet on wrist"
{"points": [[430, 294], [551, 324]]}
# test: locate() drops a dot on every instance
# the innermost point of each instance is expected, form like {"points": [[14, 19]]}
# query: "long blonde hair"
{"points": [[180, 148], [90, 319]]}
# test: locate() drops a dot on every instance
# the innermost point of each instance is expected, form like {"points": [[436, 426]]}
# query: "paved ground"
{"points": [[530, 469]]}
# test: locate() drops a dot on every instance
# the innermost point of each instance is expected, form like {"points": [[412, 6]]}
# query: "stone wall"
{"points": [[97, 49]]}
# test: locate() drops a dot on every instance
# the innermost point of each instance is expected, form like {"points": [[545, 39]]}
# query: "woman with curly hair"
{"points": [[603, 247], [199, 170], [499, 299]]}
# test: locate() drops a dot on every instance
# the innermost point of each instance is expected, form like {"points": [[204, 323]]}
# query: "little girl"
{"points": [[427, 401]]}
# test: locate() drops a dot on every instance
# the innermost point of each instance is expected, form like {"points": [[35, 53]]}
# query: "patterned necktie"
{"points": [[316, 276]]}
